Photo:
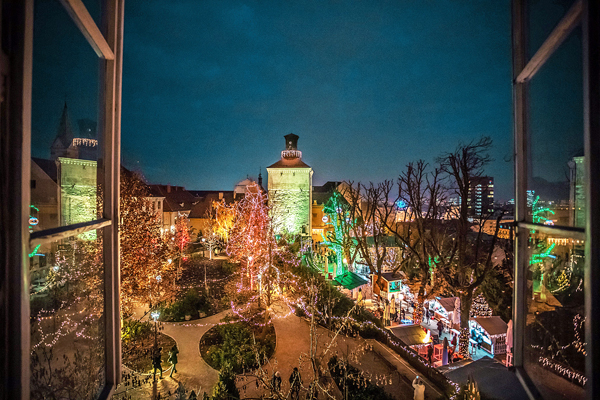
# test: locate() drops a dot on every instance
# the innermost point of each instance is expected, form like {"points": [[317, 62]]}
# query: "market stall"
{"points": [[447, 310], [389, 285], [490, 333], [413, 336]]}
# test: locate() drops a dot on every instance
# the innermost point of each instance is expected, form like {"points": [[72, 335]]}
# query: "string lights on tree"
{"points": [[145, 252], [480, 307]]}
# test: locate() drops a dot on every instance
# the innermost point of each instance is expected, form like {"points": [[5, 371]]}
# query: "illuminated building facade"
{"points": [[290, 191], [481, 196], [577, 192]]}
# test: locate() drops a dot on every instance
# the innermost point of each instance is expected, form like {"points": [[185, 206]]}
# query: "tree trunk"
{"points": [[418, 311], [465, 309]]}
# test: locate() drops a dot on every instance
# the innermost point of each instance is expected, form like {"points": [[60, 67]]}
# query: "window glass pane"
{"points": [[67, 320], [555, 327], [556, 142], [64, 137], [94, 7], [544, 15]]}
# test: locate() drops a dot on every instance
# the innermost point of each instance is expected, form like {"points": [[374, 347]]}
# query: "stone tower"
{"points": [[290, 191], [68, 143]]}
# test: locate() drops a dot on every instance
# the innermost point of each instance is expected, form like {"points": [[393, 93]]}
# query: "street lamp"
{"points": [[250, 258], [155, 315]]}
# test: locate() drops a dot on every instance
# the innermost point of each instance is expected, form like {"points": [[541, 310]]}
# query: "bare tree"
{"points": [[464, 263], [368, 228], [414, 218]]}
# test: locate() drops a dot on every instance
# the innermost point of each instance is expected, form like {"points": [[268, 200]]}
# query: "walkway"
{"points": [[191, 368], [192, 371], [384, 366]]}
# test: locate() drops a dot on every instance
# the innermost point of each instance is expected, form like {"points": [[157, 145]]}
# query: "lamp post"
{"points": [[250, 258], [155, 315]]}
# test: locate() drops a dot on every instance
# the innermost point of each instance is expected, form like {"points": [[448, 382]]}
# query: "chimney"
{"points": [[168, 188], [220, 195]]}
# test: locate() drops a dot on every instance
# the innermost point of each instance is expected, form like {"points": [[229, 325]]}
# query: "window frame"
{"points": [[588, 14], [15, 148]]}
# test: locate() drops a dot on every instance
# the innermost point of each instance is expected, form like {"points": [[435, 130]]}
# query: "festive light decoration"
{"points": [[564, 371], [463, 342], [539, 213], [545, 253], [182, 233], [480, 307], [577, 327], [34, 252], [145, 252], [250, 238], [339, 239]]}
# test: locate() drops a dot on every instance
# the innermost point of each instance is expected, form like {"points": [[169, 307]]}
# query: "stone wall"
{"points": [[290, 199], [78, 188]]}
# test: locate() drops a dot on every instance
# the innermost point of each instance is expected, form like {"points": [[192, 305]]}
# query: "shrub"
{"points": [[233, 344], [357, 386], [225, 388], [133, 330], [190, 304]]}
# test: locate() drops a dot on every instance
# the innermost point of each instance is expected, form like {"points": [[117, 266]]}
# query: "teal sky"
{"points": [[211, 87]]}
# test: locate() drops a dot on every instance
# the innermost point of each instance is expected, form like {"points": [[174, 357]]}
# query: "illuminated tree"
{"points": [[368, 230], [340, 237], [182, 233], [250, 237], [213, 232], [480, 307], [147, 269], [224, 215]]}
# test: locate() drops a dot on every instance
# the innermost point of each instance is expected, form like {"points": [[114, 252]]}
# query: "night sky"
{"points": [[211, 87]]}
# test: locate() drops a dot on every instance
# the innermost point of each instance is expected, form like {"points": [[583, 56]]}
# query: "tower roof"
{"points": [[291, 157], [64, 133], [291, 141]]}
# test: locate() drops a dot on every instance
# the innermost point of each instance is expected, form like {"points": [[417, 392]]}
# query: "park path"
{"points": [[192, 370], [384, 366]]}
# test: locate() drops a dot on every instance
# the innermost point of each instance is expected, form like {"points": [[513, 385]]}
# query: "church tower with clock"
{"points": [[290, 191]]}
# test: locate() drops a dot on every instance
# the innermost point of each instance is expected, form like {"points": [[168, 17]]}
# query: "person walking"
{"points": [[295, 384], [440, 326], [156, 362], [419, 389], [426, 315], [393, 311], [359, 298], [173, 359], [276, 381], [430, 354], [386, 313]]}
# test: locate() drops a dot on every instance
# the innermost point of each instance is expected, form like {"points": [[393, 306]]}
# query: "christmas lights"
{"points": [[479, 307]]}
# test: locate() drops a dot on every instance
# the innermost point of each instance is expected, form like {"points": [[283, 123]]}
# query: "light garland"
{"points": [[566, 372]]}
